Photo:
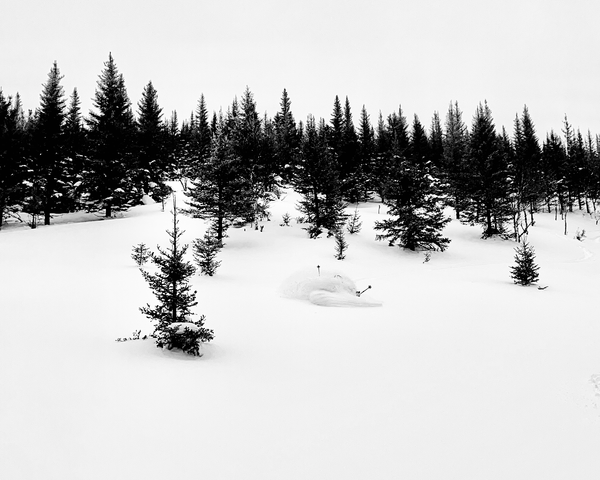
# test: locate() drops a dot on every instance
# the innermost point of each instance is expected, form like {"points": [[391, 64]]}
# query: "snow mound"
{"points": [[335, 290]]}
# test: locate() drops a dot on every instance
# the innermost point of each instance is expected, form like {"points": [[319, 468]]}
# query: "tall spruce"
{"points": [[455, 169], [152, 163], [49, 162], [316, 179], [413, 197], [366, 148], [287, 139], [488, 188], [555, 165], [220, 192], [111, 129], [75, 149], [525, 171]]}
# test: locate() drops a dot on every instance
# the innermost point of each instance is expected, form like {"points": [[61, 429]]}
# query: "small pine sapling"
{"points": [[205, 252], [285, 219], [141, 254], [354, 224], [340, 245], [525, 270], [174, 326]]}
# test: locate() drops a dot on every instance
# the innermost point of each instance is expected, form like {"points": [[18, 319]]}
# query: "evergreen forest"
{"points": [[232, 163]]}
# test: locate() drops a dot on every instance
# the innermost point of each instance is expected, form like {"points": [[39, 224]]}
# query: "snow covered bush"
{"points": [[174, 326]]}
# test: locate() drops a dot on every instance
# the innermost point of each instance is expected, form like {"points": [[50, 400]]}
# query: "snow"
{"points": [[333, 289], [459, 374]]}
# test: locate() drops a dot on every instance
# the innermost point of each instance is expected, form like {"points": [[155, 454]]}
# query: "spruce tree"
{"points": [[220, 192], [287, 139], [151, 157], [75, 149], [414, 199], [455, 169], [175, 327], [317, 180], [108, 177], [488, 184], [340, 245], [366, 149], [525, 168], [525, 270], [12, 145], [49, 163], [205, 252]]}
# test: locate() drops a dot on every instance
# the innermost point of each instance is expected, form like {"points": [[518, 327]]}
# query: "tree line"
{"points": [[55, 160]]}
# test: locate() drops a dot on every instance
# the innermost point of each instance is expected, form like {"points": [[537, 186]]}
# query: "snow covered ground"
{"points": [[457, 374]]}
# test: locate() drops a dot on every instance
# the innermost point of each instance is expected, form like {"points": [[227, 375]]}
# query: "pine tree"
{"points": [[49, 163], [525, 270], [175, 327], [12, 169], [316, 179], [287, 139], [354, 180], [152, 164], [414, 201], [205, 252], [140, 254], [367, 149], [256, 162], [75, 150], [488, 184], [525, 169], [354, 223], [108, 177], [340, 245], [221, 191], [455, 170]]}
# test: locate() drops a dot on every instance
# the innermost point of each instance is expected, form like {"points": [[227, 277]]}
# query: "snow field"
{"points": [[458, 375]]}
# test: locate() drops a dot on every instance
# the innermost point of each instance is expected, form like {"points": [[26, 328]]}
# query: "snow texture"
{"points": [[329, 290], [460, 375]]}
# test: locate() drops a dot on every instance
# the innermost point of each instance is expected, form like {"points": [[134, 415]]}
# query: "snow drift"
{"points": [[331, 290]]}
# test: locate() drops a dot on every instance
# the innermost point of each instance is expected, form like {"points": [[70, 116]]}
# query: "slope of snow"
{"points": [[460, 374]]}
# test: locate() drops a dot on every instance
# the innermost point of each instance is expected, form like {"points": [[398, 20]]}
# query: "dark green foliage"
{"points": [[141, 254], [525, 270], [205, 252], [340, 245], [174, 327]]}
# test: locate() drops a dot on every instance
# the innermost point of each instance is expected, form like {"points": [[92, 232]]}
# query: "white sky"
{"points": [[421, 54]]}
